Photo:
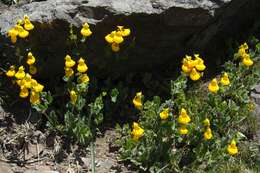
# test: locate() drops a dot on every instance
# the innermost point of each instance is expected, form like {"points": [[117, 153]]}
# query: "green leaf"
{"points": [[114, 94]]}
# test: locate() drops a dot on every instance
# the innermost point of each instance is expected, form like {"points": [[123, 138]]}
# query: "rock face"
{"points": [[162, 31]]}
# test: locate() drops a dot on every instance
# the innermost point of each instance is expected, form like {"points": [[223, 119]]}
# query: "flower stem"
{"points": [[92, 147]]}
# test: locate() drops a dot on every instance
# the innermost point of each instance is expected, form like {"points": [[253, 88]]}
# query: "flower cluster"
{"points": [[115, 38], [85, 31], [183, 120], [137, 131], [21, 29], [193, 67], [207, 134], [81, 73], [27, 84], [213, 85], [244, 55]]}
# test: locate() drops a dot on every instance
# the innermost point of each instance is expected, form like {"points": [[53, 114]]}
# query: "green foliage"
{"points": [[163, 148]]}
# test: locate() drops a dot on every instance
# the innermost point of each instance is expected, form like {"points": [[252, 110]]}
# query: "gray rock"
{"points": [[4, 168], [162, 31], [37, 171], [256, 98], [257, 89]]}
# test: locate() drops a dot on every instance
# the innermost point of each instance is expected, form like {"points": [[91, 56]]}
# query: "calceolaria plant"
{"points": [[79, 118], [194, 131]]}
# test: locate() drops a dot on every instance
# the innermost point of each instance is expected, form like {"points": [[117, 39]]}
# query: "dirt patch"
{"points": [[23, 147]]}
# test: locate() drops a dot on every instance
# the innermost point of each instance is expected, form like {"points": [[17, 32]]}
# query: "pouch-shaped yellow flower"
{"points": [[208, 134], [13, 33], [115, 47], [20, 74], [110, 37], [30, 59], [11, 71], [137, 101], [232, 148], [124, 31], [194, 75], [27, 23], [83, 78], [247, 61], [85, 31], [183, 117], [183, 130], [36, 86], [137, 131], [213, 86], [82, 67], [24, 92], [164, 114], [69, 62], [118, 38], [225, 79], [34, 98], [68, 71], [27, 81], [73, 97], [206, 122], [22, 33]]}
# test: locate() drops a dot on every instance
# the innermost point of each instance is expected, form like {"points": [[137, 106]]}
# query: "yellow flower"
{"points": [[27, 23], [27, 81], [200, 63], [82, 67], [183, 130], [137, 101], [244, 46], [68, 71], [208, 134], [118, 38], [69, 62], [194, 75], [20, 82], [247, 61], [20, 73], [36, 86], [185, 68], [183, 117], [164, 114], [213, 86], [19, 22], [206, 122], [232, 148], [124, 31], [85, 31], [24, 92], [224, 79], [35, 98], [110, 37], [11, 71], [22, 33], [115, 47], [13, 33], [83, 78], [30, 59], [137, 131], [73, 97], [32, 69]]}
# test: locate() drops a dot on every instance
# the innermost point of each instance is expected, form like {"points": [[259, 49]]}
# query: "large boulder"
{"points": [[163, 31]]}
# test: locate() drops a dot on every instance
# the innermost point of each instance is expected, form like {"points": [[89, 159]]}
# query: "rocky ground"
{"points": [[24, 149]]}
